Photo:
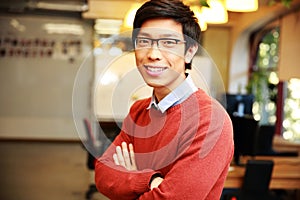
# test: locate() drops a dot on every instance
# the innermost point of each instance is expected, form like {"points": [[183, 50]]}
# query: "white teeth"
{"points": [[155, 69]]}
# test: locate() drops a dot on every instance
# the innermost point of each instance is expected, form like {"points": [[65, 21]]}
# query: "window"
{"points": [[263, 78]]}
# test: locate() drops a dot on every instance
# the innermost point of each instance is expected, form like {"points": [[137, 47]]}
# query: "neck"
{"points": [[162, 91]]}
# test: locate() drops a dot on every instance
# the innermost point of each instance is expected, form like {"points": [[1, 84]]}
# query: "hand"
{"points": [[124, 158], [156, 182]]}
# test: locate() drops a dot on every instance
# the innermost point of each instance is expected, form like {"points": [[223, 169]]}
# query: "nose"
{"points": [[154, 53], [154, 42]]}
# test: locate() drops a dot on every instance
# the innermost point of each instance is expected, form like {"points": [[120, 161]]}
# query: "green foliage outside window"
{"points": [[263, 78]]}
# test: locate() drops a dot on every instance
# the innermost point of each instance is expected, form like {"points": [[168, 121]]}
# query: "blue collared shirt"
{"points": [[177, 96]]}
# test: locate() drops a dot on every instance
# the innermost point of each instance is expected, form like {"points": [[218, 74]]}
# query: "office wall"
{"points": [[39, 59], [216, 41], [289, 46]]}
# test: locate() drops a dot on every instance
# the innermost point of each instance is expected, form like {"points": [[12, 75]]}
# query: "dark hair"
{"points": [[172, 9]]}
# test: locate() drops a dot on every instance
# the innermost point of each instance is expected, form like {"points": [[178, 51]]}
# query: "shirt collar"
{"points": [[178, 95]]}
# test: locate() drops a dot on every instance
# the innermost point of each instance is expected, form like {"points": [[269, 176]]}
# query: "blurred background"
{"points": [[45, 44]]}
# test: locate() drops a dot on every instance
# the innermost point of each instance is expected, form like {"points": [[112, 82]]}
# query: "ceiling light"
{"points": [[215, 13], [242, 5], [54, 28], [200, 17], [67, 6], [107, 26]]}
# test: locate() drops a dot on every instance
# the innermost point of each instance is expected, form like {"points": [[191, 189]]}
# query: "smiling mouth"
{"points": [[155, 70]]}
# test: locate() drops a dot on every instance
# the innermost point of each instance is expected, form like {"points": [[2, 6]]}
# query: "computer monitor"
{"points": [[239, 104]]}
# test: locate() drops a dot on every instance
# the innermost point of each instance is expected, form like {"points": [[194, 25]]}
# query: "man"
{"points": [[177, 144]]}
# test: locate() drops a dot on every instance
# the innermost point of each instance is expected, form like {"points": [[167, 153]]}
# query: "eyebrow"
{"points": [[167, 35]]}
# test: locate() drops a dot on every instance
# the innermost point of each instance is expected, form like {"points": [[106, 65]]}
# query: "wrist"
{"points": [[155, 180]]}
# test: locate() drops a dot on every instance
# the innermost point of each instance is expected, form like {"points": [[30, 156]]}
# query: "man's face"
{"points": [[159, 52]]}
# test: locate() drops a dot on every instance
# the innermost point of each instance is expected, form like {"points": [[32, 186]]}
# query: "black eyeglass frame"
{"points": [[177, 41]]}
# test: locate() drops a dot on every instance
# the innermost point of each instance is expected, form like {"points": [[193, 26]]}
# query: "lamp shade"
{"points": [[215, 13], [201, 21], [242, 5]]}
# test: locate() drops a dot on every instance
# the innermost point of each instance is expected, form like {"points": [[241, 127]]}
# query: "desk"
{"points": [[280, 144], [286, 173]]}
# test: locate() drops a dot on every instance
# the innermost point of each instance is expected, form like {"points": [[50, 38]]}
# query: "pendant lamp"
{"points": [[201, 21], [242, 5], [215, 13]]}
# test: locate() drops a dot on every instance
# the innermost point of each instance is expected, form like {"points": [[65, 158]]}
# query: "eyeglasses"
{"points": [[166, 43]]}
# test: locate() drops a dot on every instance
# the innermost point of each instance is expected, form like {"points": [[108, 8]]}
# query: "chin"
{"points": [[155, 84]]}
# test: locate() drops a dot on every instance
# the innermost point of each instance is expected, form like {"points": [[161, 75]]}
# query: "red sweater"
{"points": [[191, 146]]}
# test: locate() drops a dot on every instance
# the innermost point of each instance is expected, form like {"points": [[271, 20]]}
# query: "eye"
{"points": [[169, 42], [142, 42]]}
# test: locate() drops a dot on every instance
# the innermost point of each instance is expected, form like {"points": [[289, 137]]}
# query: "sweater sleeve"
{"points": [[116, 182], [201, 170]]}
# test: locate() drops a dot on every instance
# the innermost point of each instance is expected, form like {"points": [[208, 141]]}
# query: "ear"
{"points": [[190, 53]]}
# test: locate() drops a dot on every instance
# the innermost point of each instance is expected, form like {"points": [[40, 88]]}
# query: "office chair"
{"points": [[256, 182], [265, 142], [96, 144], [90, 158], [244, 136]]}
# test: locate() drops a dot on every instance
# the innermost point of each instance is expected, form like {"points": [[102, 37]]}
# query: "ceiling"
{"points": [[43, 6], [116, 9], [108, 9], [90, 9]]}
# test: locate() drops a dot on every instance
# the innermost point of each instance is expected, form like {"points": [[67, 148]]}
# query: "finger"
{"points": [[115, 157], [126, 155], [120, 156], [132, 157]]}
